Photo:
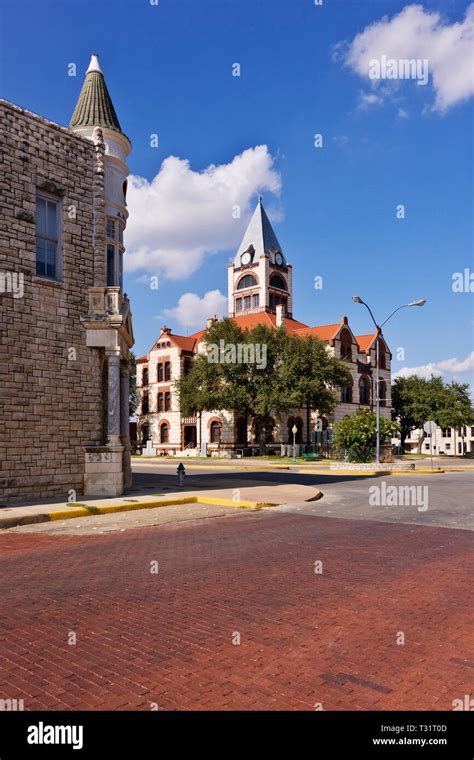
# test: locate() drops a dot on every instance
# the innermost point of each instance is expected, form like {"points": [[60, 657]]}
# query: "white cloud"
{"points": [[367, 99], [418, 34], [403, 113], [182, 215], [447, 368], [192, 311]]}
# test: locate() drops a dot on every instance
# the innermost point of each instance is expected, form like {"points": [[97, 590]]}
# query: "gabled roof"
{"points": [[249, 321], [365, 341], [94, 107], [324, 332], [259, 235]]}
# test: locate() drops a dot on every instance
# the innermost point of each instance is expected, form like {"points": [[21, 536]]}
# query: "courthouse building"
{"points": [[260, 291], [65, 322]]}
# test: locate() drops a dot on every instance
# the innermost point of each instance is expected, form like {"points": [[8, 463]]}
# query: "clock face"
{"points": [[279, 259], [246, 258]]}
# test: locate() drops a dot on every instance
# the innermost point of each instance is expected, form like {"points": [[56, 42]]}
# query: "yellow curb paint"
{"points": [[69, 514]]}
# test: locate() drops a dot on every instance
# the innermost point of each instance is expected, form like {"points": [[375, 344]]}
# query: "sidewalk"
{"points": [[252, 497]]}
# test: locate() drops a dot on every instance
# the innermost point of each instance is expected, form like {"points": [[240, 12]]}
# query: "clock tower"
{"points": [[259, 277]]}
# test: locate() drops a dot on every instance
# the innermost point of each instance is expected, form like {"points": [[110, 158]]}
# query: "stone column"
{"points": [[125, 423], [113, 417]]}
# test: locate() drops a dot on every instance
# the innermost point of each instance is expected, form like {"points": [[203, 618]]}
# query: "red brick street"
{"points": [[306, 638]]}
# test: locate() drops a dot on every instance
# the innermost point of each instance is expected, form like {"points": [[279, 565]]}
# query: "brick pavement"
{"points": [[305, 638]]}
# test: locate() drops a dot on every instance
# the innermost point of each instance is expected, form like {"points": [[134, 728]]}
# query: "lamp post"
{"points": [[294, 430], [378, 328]]}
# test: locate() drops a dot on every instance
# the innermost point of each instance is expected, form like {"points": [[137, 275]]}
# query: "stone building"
{"points": [[260, 291], [65, 322]]}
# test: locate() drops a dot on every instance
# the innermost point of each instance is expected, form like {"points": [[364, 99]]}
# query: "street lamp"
{"points": [[294, 430], [358, 299]]}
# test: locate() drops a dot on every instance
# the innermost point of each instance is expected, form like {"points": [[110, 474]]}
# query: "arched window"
{"points": [[215, 432], [277, 281], [247, 281], [364, 390], [382, 392], [346, 393], [346, 345], [164, 433]]}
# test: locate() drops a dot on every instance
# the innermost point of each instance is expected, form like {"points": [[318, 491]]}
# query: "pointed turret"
{"points": [[94, 107], [259, 237], [259, 278]]}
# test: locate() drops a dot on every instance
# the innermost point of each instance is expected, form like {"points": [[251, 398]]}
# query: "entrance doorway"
{"points": [[190, 436]]}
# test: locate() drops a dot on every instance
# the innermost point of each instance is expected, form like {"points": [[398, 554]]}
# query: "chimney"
{"points": [[280, 315], [211, 321]]}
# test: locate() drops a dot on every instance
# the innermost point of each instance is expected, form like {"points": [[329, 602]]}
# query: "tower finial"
{"points": [[94, 64], [259, 198]]}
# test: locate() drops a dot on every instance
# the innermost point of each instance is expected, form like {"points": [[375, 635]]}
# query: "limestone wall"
{"points": [[50, 382]]}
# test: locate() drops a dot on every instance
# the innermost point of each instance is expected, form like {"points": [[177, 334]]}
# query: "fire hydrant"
{"points": [[181, 474]]}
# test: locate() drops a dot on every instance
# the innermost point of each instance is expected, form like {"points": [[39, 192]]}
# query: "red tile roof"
{"points": [[365, 341], [249, 321]]}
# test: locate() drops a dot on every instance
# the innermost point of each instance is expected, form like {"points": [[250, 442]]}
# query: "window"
{"points": [[167, 402], [364, 390], [47, 237], [247, 302], [145, 376], [448, 447], [446, 432], [382, 393], [187, 364], [160, 402], [215, 432], [167, 371], [114, 253], [346, 345], [160, 373], [276, 281], [238, 304], [164, 433], [111, 229], [256, 300], [145, 404], [346, 394], [110, 265], [272, 301], [248, 281], [382, 359]]}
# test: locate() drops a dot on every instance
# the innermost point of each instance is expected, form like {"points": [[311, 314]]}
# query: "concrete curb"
{"points": [[72, 513], [106, 509]]}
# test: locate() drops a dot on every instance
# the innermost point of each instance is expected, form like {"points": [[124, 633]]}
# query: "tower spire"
{"points": [[94, 107]]}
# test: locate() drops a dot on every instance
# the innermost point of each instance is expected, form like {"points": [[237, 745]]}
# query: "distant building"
{"points": [[65, 322], [260, 291], [446, 441]]}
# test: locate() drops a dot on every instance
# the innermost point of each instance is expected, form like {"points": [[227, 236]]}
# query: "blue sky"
{"points": [[169, 71]]}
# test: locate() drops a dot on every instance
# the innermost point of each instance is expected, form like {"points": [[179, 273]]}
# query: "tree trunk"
{"points": [[420, 442]]}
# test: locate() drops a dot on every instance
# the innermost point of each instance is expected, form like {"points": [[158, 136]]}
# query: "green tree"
{"points": [[291, 372], [356, 434], [416, 400]]}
